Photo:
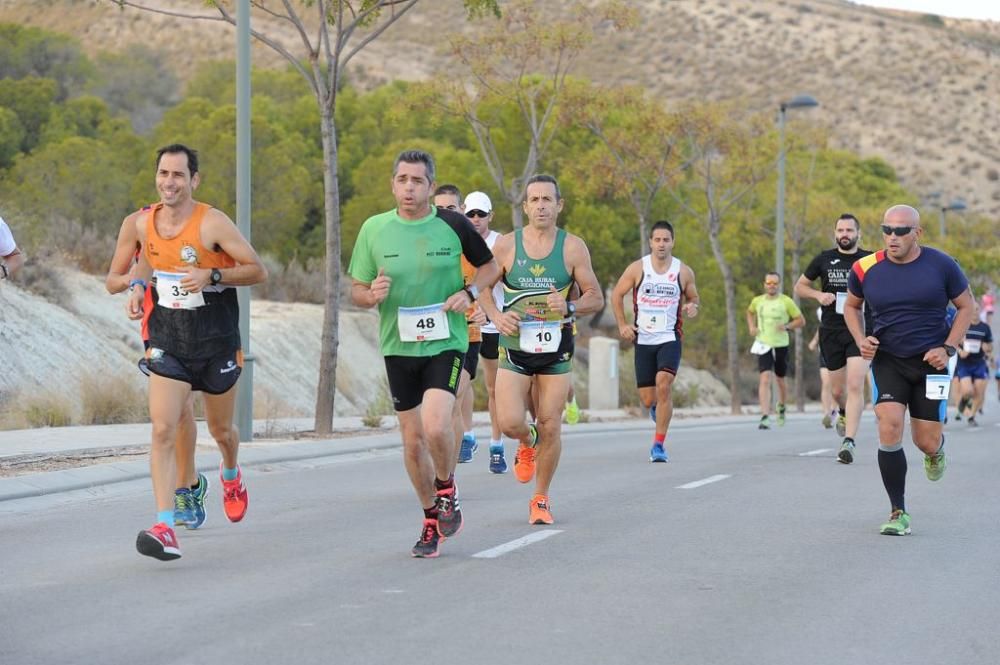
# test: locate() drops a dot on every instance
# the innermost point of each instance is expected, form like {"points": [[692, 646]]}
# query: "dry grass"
{"points": [[111, 400]]}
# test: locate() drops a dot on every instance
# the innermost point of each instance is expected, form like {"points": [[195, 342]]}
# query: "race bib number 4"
{"points": [[540, 336], [422, 324], [938, 386], [173, 295], [972, 345], [652, 320]]}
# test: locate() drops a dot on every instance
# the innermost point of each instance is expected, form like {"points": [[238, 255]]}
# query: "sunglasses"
{"points": [[477, 213], [771, 283], [897, 230]]}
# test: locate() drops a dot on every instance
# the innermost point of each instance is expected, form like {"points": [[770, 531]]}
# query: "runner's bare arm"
{"points": [[13, 262], [578, 261], [218, 231], [804, 289], [367, 295], [628, 281], [503, 255], [692, 299], [121, 262]]}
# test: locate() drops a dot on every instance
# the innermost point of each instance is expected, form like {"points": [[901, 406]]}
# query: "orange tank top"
{"points": [[468, 274], [184, 249]]}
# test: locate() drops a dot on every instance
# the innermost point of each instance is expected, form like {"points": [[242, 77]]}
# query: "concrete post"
{"points": [[603, 379]]}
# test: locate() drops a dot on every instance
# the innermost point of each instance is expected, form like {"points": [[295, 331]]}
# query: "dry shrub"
{"points": [[378, 407], [42, 409], [293, 283], [111, 400]]}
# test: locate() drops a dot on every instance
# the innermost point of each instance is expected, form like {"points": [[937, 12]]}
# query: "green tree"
{"points": [[135, 83], [31, 99], [28, 52]]}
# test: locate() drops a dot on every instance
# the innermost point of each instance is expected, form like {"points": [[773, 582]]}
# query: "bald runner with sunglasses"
{"points": [[908, 288]]}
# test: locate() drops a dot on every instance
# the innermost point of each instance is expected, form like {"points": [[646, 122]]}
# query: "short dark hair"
{"points": [[542, 177], [662, 224], [415, 157], [175, 148], [771, 272], [449, 189], [848, 215]]}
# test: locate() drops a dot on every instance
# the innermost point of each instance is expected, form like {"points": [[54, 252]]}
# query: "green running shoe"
{"points": [[846, 454], [572, 412], [898, 524], [763, 424], [934, 465], [781, 415], [841, 425]]}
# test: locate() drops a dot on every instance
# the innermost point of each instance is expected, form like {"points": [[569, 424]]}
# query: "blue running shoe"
{"points": [[657, 453], [183, 507], [652, 413], [469, 448], [198, 495], [497, 462]]}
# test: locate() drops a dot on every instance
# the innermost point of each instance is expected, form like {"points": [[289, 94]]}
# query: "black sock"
{"points": [[842, 411], [431, 513], [444, 484], [848, 439], [893, 468]]}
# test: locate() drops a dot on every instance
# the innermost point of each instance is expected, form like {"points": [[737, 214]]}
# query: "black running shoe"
{"points": [[427, 546], [449, 521]]}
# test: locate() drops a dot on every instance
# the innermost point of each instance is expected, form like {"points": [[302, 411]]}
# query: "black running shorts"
{"points": [[776, 359], [490, 346], [837, 345], [653, 358], [214, 376], [472, 359], [411, 376], [904, 381]]}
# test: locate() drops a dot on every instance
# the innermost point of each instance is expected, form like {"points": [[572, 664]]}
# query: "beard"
{"points": [[847, 243]]}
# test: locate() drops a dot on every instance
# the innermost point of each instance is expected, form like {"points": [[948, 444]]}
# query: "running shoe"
{"points": [[934, 465], [846, 454], [657, 453], [183, 506], [539, 510], [235, 500], [764, 423], [159, 542], [572, 412], [652, 413], [449, 521], [497, 462], [898, 524], [972, 422], [524, 459], [427, 546], [827, 421], [781, 415], [198, 496], [469, 448], [841, 425]]}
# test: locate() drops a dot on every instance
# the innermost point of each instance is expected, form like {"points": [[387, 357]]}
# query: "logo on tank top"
{"points": [[659, 290], [189, 254], [537, 270]]}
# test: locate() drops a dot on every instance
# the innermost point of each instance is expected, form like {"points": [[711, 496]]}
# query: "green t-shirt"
{"points": [[772, 312], [423, 258]]}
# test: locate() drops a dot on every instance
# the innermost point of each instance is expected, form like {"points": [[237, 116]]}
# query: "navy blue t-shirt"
{"points": [[908, 300], [977, 332]]}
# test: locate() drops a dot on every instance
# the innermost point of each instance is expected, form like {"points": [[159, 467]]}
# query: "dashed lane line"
{"points": [[704, 481], [516, 544]]}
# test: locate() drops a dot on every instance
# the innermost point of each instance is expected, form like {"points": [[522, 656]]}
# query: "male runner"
{"points": [[539, 264], [658, 282], [972, 370], [407, 262], [908, 288], [11, 258], [847, 369], [769, 317], [197, 256]]}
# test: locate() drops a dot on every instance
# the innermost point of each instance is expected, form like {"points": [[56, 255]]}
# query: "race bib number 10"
{"points": [[173, 295], [540, 336], [422, 324]]}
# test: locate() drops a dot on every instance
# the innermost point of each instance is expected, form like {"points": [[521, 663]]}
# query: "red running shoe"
{"points": [[234, 496], [159, 542]]}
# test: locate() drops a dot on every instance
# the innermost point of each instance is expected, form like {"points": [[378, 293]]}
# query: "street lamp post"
{"points": [[956, 204], [244, 398], [799, 101]]}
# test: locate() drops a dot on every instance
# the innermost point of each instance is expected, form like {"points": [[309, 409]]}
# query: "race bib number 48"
{"points": [[173, 295], [540, 336], [422, 324]]}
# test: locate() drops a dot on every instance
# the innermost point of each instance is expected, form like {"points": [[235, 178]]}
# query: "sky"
{"points": [[979, 9]]}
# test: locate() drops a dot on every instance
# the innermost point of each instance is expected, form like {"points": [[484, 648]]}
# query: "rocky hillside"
{"points": [[921, 91]]}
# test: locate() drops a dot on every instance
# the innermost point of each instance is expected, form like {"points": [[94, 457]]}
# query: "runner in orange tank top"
{"points": [[193, 256]]}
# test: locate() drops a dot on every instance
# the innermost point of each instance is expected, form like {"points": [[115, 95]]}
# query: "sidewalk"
{"points": [[350, 437]]}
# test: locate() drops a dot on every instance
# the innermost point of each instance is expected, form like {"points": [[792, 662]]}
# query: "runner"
{"points": [[11, 258], [658, 282], [197, 256], [908, 288], [191, 487], [843, 360], [769, 317], [539, 264], [973, 371], [825, 394], [407, 262]]}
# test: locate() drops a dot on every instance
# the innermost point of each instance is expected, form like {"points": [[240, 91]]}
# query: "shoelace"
{"points": [[429, 533], [526, 454], [185, 501], [445, 503], [231, 489]]}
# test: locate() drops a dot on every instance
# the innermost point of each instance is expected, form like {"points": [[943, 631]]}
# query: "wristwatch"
{"points": [[216, 276], [570, 309], [949, 349], [473, 291]]}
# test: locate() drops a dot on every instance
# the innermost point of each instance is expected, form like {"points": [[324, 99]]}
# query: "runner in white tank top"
{"points": [[656, 301]]}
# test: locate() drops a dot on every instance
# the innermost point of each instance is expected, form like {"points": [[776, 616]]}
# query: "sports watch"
{"points": [[216, 276], [570, 309], [949, 349]]}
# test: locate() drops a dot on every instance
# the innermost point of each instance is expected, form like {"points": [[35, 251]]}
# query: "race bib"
{"points": [[759, 348], [938, 386], [841, 301], [540, 336], [652, 320], [972, 345], [422, 324], [173, 295]]}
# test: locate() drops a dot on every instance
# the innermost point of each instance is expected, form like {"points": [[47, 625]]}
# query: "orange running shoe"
{"points": [[234, 496], [524, 459], [539, 510]]}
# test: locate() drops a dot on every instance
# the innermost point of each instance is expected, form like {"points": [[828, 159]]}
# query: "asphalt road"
{"points": [[777, 560]]}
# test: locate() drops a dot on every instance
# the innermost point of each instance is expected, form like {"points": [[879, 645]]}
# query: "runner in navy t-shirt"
{"points": [[973, 371], [907, 287]]}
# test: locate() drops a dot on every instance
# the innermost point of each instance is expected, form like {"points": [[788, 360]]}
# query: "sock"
{"points": [[659, 438], [892, 465], [166, 516], [849, 440], [230, 474], [842, 412], [469, 435], [444, 484], [430, 513], [496, 443], [195, 487]]}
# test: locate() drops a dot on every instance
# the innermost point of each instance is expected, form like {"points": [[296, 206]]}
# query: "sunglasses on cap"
{"points": [[477, 213], [897, 230]]}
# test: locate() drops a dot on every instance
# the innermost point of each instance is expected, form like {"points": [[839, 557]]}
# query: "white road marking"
{"points": [[517, 544], [816, 452], [706, 481]]}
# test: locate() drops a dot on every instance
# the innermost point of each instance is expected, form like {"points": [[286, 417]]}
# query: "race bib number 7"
{"points": [[422, 324], [173, 295], [938, 386]]}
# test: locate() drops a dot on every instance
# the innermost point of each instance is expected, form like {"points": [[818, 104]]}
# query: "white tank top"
{"points": [[656, 302], [491, 240]]}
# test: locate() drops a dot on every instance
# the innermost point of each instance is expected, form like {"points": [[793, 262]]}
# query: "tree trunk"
{"points": [[326, 388], [729, 288]]}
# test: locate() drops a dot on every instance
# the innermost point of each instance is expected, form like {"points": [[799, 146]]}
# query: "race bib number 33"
{"points": [[422, 324], [172, 295]]}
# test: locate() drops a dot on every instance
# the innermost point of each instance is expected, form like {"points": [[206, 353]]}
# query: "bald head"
{"points": [[902, 214]]}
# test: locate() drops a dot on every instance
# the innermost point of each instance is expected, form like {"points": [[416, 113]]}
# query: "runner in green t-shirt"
{"points": [[769, 317], [407, 262]]}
